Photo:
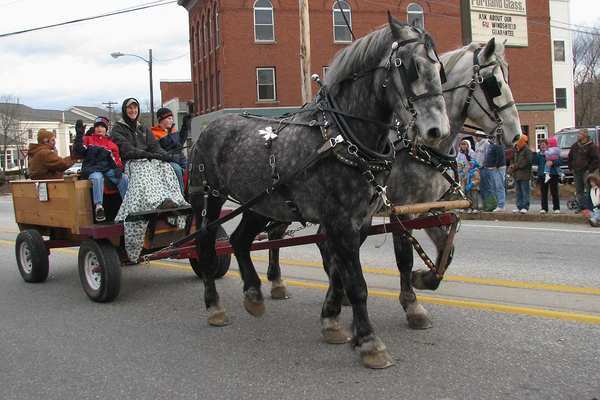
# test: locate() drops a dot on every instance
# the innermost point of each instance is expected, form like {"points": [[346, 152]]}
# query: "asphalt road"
{"points": [[517, 318]]}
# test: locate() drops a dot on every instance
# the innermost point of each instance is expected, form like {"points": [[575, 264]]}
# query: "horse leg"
{"points": [[416, 315], [344, 243], [426, 279], [241, 240], [331, 329], [278, 288], [205, 249]]}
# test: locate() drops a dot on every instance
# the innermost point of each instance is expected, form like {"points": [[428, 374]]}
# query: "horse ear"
{"points": [[490, 49], [394, 25]]}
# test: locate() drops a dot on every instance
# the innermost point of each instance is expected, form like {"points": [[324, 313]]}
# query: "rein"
{"points": [[477, 80]]}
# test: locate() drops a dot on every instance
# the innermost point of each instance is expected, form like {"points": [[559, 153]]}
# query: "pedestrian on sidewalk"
{"points": [[552, 183], [521, 171], [594, 183], [494, 173], [480, 149], [583, 160]]}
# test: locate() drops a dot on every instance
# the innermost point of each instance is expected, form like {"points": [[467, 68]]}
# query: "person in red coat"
{"points": [[101, 160]]}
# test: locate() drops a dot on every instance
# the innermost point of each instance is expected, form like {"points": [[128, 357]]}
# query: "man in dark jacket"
{"points": [[135, 141], [172, 141], [493, 165], [583, 160], [521, 171]]}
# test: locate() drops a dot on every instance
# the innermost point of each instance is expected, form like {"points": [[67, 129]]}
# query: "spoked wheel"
{"points": [[223, 261], [32, 256], [99, 270]]}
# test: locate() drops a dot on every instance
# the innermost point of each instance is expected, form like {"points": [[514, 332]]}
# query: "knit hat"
{"points": [[552, 141], [44, 136], [163, 113], [102, 121], [521, 142]]}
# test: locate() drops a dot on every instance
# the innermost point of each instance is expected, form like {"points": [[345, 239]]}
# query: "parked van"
{"points": [[566, 137]]}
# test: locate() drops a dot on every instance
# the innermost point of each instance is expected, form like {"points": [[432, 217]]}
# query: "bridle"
{"points": [[491, 89]]}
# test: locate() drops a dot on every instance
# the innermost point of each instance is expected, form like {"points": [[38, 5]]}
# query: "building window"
{"points": [[342, 19], [414, 15], [561, 97], [265, 84], [541, 133], [263, 21], [217, 27], [29, 134], [559, 50]]}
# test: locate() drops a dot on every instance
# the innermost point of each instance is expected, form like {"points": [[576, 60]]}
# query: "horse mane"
{"points": [[453, 56], [365, 53]]}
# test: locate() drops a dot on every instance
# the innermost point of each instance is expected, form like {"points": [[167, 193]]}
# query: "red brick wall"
{"points": [[238, 56], [180, 90]]}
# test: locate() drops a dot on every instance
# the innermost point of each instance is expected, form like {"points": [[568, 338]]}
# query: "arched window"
{"points": [[264, 30], [342, 19], [414, 15], [217, 35]]}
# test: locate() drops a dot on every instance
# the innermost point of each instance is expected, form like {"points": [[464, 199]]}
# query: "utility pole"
{"points": [[109, 107], [305, 81], [151, 86]]}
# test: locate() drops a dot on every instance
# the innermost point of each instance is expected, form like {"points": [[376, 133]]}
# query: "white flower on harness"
{"points": [[268, 133]]}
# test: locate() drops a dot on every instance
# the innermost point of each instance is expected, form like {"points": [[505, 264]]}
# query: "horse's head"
{"points": [[417, 75], [484, 70]]}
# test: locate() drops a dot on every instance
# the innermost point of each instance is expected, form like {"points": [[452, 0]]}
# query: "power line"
{"points": [[108, 14], [173, 58]]}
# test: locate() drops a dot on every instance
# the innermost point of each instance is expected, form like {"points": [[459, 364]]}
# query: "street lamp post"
{"points": [[149, 62]]}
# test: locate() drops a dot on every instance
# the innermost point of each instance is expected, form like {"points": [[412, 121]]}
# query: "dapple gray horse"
{"points": [[326, 164], [412, 181]]}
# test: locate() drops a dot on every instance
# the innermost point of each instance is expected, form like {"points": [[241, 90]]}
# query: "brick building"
{"points": [[244, 53], [176, 96]]}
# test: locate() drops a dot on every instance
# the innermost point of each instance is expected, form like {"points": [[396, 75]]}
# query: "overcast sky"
{"points": [[71, 65]]}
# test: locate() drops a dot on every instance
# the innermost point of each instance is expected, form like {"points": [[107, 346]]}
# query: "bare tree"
{"points": [[9, 124], [586, 73]]}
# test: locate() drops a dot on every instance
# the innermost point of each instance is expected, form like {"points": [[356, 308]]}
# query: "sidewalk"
{"points": [[565, 216]]}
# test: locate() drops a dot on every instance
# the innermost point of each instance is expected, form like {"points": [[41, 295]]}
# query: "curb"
{"points": [[530, 217]]}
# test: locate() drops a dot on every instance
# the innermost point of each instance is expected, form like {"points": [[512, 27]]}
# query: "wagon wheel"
{"points": [[99, 270], [32, 256], [223, 261]]}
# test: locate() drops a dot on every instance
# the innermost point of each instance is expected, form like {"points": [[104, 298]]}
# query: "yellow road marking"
{"points": [[454, 278], [448, 278], [502, 308], [388, 294]]}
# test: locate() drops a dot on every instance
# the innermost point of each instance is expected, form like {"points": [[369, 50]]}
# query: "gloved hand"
{"points": [[186, 123], [79, 127], [118, 173]]}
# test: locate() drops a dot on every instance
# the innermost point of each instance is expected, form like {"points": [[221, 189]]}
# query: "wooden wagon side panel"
{"points": [[68, 204]]}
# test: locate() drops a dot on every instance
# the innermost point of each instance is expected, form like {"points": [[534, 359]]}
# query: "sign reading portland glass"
{"points": [[502, 19]]}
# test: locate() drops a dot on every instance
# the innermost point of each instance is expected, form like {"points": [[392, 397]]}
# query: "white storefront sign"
{"points": [[502, 19]]}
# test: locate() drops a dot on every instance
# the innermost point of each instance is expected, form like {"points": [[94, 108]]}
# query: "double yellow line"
{"points": [[381, 293]]}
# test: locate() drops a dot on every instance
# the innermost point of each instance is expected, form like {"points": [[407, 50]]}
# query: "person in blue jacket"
{"points": [[552, 183]]}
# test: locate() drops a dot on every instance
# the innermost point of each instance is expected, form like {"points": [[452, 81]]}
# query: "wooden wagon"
{"points": [[58, 213]]}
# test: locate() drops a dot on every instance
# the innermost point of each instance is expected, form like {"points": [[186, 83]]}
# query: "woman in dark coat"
{"points": [[152, 181]]}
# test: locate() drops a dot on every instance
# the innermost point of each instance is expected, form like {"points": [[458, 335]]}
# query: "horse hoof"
{"points": [[333, 332], [336, 336], [425, 280], [418, 318], [218, 317], [279, 290], [374, 355]]}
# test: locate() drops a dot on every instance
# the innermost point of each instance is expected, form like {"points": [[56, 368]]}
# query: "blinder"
{"points": [[491, 86]]}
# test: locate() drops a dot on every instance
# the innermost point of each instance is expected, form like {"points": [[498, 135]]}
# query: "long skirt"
{"points": [[151, 182]]}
